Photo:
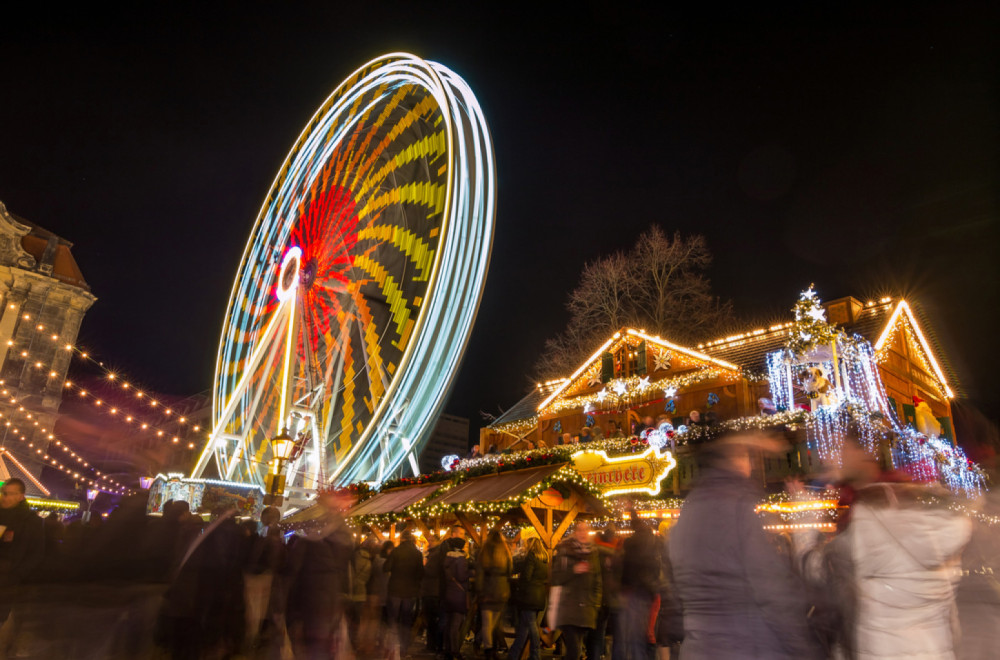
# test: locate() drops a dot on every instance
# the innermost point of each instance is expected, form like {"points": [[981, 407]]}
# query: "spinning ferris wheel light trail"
{"points": [[357, 290]]}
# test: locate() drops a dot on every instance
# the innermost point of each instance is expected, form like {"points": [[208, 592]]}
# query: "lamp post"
{"points": [[282, 446], [91, 496]]}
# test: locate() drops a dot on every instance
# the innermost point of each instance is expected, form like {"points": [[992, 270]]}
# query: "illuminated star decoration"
{"points": [[602, 395], [619, 388], [669, 392], [594, 380], [817, 314], [661, 361], [644, 382]]}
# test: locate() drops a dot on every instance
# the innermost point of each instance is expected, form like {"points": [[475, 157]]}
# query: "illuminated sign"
{"points": [[637, 473]]}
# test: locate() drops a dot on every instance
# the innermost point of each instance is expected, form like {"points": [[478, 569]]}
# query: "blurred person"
{"points": [[22, 543], [267, 555], [494, 567], [455, 595], [203, 609], [430, 594], [361, 572], [318, 574], [475, 453], [609, 557], [405, 567], [586, 435], [615, 429], [739, 598], [532, 570], [640, 585], [669, 624], [900, 556], [694, 418], [978, 594], [577, 571], [647, 423]]}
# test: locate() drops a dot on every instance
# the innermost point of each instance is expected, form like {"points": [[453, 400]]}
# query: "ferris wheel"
{"points": [[357, 290]]}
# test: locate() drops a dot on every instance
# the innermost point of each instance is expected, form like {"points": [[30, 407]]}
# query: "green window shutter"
{"points": [[909, 415], [946, 428], [607, 367], [641, 361]]}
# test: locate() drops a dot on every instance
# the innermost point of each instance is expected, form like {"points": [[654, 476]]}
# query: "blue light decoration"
{"points": [[557, 427], [448, 462], [861, 406], [589, 421], [671, 406], [713, 399]]}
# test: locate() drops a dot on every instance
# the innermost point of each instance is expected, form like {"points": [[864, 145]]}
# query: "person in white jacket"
{"points": [[902, 550]]}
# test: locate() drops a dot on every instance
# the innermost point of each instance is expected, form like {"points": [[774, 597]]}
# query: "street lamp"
{"points": [[91, 496], [282, 446]]}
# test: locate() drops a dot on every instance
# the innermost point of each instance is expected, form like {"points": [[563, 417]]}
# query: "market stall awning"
{"points": [[494, 487], [393, 500]]}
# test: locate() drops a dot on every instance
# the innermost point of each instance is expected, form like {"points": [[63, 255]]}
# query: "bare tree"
{"points": [[659, 285]]}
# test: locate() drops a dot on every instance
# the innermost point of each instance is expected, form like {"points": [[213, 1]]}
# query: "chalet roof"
{"points": [[496, 487], [631, 334], [528, 405], [395, 499], [750, 349]]}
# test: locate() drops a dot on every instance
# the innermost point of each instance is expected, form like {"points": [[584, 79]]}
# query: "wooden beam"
{"points": [[377, 533], [419, 524], [570, 517], [537, 524], [548, 523], [470, 529]]}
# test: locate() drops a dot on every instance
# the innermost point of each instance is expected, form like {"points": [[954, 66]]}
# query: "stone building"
{"points": [[43, 298]]}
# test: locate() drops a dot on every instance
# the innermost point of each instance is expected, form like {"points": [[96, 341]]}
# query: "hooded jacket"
{"points": [[580, 597], [906, 566], [739, 597]]}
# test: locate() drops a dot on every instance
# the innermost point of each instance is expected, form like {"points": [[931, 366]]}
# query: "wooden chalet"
{"points": [[634, 375]]}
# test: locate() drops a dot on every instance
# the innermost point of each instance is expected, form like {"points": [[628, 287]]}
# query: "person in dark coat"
{"points": [[493, 571], [640, 584], [609, 556], [22, 542], [318, 575], [430, 595], [739, 598], [405, 567], [455, 595], [529, 596], [577, 571]]}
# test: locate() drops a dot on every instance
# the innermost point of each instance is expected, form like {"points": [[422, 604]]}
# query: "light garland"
{"points": [[115, 486], [30, 419], [631, 391], [131, 419]]}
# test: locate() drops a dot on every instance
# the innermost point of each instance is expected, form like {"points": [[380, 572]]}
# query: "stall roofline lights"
{"points": [[642, 335], [681, 349], [904, 308], [579, 371]]}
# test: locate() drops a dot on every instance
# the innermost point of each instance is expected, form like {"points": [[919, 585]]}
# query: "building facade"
{"points": [[44, 298]]}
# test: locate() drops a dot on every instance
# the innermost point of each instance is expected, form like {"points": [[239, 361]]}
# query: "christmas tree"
{"points": [[811, 327]]}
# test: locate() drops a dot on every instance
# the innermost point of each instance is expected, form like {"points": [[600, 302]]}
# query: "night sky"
{"points": [[856, 151]]}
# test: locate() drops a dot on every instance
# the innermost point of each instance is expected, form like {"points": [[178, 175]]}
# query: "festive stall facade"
{"points": [[868, 369]]}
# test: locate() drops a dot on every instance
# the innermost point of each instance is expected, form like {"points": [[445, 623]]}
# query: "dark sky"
{"points": [[856, 151]]}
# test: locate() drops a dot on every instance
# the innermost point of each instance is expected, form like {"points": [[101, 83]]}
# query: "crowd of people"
{"points": [[910, 574]]}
